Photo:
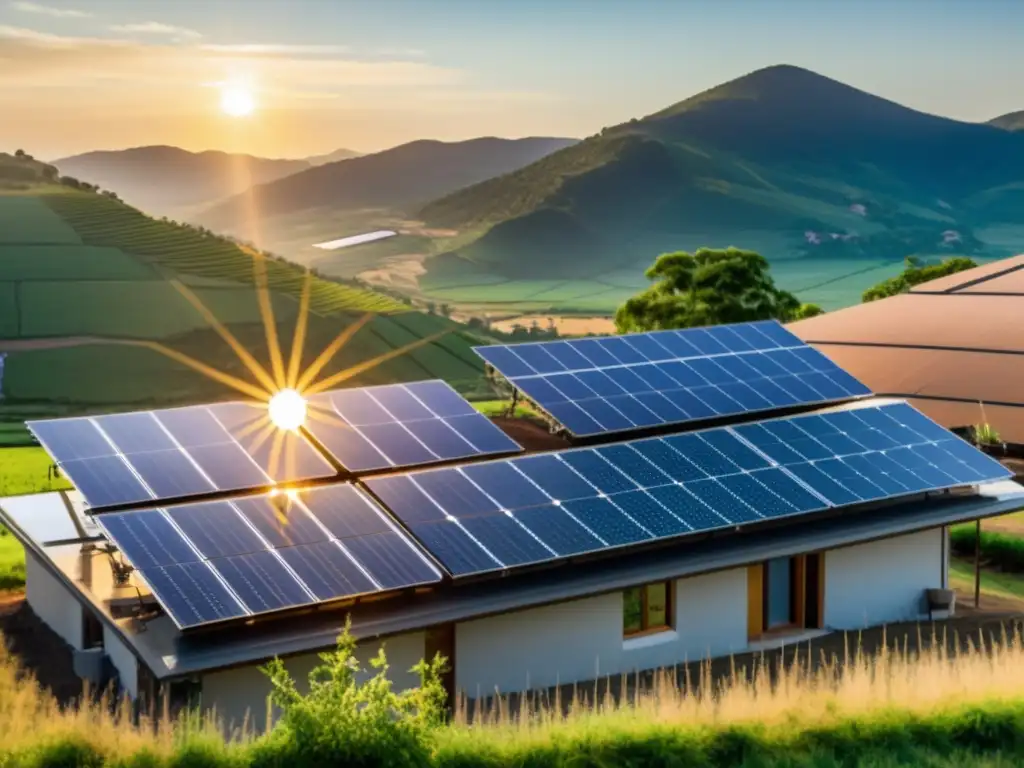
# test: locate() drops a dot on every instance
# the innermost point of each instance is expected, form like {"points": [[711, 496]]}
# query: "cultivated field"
{"points": [[85, 291]]}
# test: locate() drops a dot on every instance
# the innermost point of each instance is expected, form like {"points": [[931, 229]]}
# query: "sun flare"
{"points": [[287, 409], [237, 100]]}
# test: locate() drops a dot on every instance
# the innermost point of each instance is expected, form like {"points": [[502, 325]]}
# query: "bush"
{"points": [[1001, 550], [344, 723]]}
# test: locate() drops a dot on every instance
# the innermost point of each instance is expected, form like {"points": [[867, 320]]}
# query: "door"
{"points": [[441, 640], [814, 593]]}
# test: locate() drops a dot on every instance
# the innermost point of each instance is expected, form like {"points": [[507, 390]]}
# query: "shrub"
{"points": [[342, 722]]}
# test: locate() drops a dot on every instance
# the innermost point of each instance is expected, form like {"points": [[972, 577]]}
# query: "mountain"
{"points": [[395, 180], [332, 157], [783, 160], [98, 309], [1014, 121], [170, 181]]}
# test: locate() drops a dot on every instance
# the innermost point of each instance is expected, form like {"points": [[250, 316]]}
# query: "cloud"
{"points": [[157, 28], [45, 59], [46, 10], [402, 53], [275, 49]]}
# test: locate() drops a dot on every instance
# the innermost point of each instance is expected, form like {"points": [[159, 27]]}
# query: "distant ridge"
{"points": [[409, 174], [168, 180], [1013, 121]]}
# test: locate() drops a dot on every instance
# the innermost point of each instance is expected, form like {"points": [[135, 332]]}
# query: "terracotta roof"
{"points": [[990, 273], [949, 345]]}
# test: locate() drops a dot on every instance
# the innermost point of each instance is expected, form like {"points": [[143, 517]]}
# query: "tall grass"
{"points": [[897, 707]]}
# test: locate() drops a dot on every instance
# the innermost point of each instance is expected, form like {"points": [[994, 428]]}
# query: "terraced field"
{"points": [[90, 320]]}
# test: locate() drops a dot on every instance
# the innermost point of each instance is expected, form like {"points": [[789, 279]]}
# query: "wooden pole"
{"points": [[977, 564]]}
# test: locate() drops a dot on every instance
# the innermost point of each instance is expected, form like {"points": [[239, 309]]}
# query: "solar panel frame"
{"points": [[730, 482], [256, 575], [191, 452], [644, 380], [399, 426]]}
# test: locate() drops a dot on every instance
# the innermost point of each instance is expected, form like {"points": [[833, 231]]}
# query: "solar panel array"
{"points": [[216, 561], [136, 457], [618, 383], [502, 514], [402, 425]]}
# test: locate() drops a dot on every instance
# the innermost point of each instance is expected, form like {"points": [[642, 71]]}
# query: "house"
{"points": [[952, 347], [686, 561]]}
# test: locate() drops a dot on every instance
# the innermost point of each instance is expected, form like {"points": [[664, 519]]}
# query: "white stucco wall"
{"points": [[236, 693], [882, 581], [582, 639], [124, 662], [52, 602]]}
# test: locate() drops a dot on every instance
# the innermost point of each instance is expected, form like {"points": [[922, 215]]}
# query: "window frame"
{"points": [[645, 627]]}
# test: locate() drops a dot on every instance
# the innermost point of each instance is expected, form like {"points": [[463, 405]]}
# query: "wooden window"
{"points": [[647, 609]]}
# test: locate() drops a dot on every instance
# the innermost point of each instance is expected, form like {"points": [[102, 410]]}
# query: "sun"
{"points": [[236, 101], [287, 409]]}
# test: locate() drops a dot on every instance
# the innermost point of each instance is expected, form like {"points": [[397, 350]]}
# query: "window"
{"points": [[647, 609]]}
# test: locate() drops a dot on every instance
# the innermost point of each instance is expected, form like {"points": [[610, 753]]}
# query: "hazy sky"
{"points": [[77, 75]]}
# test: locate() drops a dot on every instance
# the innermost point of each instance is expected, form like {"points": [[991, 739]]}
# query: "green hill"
{"points": [[822, 178], [86, 290]]}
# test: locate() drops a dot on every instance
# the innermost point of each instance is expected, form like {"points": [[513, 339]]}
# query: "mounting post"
{"points": [[977, 564]]}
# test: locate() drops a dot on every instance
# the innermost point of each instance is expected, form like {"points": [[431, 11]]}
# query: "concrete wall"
{"points": [[582, 639], [52, 602], [124, 662], [236, 694], [882, 581]]}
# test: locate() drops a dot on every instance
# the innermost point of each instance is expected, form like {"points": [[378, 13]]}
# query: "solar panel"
{"points": [[176, 453], [234, 559], [402, 425], [513, 512], [618, 383]]}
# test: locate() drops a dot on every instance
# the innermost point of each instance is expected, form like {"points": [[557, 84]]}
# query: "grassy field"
{"points": [[897, 707], [1007, 585]]}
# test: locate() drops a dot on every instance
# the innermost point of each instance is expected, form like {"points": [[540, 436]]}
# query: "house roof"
{"points": [[37, 522], [948, 346]]}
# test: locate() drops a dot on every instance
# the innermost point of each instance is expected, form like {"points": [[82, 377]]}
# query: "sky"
{"points": [[79, 75]]}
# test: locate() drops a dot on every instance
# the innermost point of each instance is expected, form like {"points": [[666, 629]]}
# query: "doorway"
{"points": [[441, 640], [785, 594]]}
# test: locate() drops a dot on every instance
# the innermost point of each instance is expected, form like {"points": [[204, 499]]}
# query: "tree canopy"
{"points": [[709, 287], [915, 273]]}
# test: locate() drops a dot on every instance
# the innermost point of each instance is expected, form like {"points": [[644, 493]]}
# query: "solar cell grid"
{"points": [[618, 383], [130, 458], [476, 518], [402, 425], [231, 559]]}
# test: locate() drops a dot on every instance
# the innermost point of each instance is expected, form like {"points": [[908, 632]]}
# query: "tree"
{"points": [[709, 287], [916, 272]]}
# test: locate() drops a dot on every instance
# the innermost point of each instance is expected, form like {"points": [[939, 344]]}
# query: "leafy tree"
{"points": [[915, 273], [709, 287], [446, 310]]}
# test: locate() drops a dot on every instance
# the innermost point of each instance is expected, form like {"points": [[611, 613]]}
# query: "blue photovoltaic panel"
{"points": [[402, 425], [129, 458], [229, 559], [513, 512], [616, 383]]}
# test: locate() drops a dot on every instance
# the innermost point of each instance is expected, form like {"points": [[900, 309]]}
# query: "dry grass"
{"points": [[800, 698]]}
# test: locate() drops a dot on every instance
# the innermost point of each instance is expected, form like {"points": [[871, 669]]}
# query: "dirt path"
{"points": [[27, 345]]}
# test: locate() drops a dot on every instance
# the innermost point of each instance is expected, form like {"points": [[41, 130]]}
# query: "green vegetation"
{"points": [[1005, 585], [917, 272], [709, 287], [998, 550], [96, 299], [12, 562], [897, 708]]}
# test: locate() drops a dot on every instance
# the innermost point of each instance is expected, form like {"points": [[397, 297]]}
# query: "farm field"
{"points": [[90, 321]]}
